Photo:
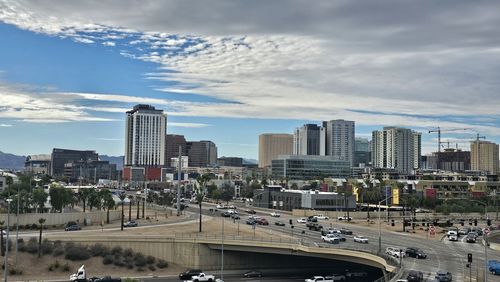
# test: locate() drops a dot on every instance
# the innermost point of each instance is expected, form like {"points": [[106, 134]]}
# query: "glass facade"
{"points": [[309, 167]]}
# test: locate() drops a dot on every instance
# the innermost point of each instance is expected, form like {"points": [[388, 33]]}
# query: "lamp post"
{"points": [[222, 252], [380, 226], [7, 242], [17, 222]]}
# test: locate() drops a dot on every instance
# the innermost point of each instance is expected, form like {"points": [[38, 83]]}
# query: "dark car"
{"points": [[235, 216], [262, 221], [315, 227], [415, 276], [345, 231], [279, 223], [252, 273], [251, 221], [131, 223], [443, 276], [312, 219], [415, 253], [189, 273], [251, 211], [225, 214], [105, 279], [73, 228]]}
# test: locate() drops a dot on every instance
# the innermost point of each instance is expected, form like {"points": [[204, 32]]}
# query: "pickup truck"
{"points": [[330, 238], [203, 277]]}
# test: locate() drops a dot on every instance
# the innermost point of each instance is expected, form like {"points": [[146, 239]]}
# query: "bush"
{"points": [[130, 280], [140, 269], [34, 226], [116, 250], [21, 247], [27, 226], [15, 271], [130, 265], [119, 262], [140, 260], [97, 250], [47, 247], [58, 251], [128, 253], [150, 260], [162, 264], [65, 267], [108, 259], [32, 246], [152, 268], [76, 252]]}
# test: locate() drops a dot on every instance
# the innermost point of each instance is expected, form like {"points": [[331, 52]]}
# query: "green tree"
{"points": [[39, 199], [94, 199], [107, 201], [200, 190], [41, 221], [227, 192], [313, 185], [83, 195], [59, 197], [294, 186]]}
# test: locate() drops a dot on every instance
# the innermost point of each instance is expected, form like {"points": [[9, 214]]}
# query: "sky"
{"points": [[229, 70]]}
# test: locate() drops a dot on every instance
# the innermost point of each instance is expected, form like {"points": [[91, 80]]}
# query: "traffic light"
{"points": [[291, 222], [448, 223], [475, 222], [392, 222], [488, 222], [462, 223], [469, 257]]}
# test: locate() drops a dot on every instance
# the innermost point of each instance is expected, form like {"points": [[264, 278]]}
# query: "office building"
{"points": [[174, 162], [90, 171], [339, 139], [362, 152], [37, 164], [294, 167], [484, 156], [307, 140], [145, 130], [276, 197], [60, 157], [230, 161], [201, 153], [272, 145], [453, 160], [396, 148], [173, 142]]}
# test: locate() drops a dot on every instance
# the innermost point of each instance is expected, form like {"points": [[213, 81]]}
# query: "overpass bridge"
{"points": [[240, 252]]}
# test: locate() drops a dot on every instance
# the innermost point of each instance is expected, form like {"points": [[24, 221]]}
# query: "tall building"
{"points": [[201, 153], [294, 167], [230, 161], [397, 148], [172, 147], [484, 156], [272, 145], [145, 130], [60, 157], [453, 160], [339, 139], [307, 140], [362, 152]]}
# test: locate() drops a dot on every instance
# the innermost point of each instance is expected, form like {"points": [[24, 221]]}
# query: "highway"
{"points": [[441, 255]]}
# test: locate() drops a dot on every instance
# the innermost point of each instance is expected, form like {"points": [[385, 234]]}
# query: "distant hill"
{"points": [[113, 160], [250, 161], [11, 161]]}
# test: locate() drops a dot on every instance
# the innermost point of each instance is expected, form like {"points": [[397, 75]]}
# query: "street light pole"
{"points": [[7, 242], [222, 252], [17, 223], [380, 226]]}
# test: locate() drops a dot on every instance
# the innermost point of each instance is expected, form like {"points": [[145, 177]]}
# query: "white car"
{"points": [[395, 252], [275, 214], [453, 238], [321, 217], [302, 220], [361, 239], [330, 238], [344, 218], [220, 206]]}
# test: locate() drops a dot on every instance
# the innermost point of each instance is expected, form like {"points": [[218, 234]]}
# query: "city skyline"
{"points": [[70, 71]]}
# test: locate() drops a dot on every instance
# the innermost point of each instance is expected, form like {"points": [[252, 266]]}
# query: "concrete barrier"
{"points": [[94, 217]]}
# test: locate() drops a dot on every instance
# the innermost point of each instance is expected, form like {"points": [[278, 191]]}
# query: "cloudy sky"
{"points": [[229, 70]]}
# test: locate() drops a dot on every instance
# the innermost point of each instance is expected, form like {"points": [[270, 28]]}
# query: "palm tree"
{"points": [[138, 205], [200, 191], [41, 221], [131, 200], [108, 201], [122, 199], [2, 249]]}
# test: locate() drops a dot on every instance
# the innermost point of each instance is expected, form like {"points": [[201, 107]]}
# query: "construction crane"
{"points": [[438, 130]]}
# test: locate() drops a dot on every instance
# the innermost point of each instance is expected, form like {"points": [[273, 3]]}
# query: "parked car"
{"points": [[72, 228], [279, 223], [415, 276], [252, 273], [275, 214], [443, 276], [360, 239], [345, 231], [189, 273], [415, 253], [130, 223], [302, 220], [395, 252]]}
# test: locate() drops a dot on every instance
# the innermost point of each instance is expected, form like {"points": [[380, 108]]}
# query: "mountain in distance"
{"points": [[250, 161], [113, 160], [11, 161]]}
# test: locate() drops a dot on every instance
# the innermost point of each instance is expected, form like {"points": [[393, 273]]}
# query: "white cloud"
{"points": [[188, 124], [109, 43], [5, 125]]}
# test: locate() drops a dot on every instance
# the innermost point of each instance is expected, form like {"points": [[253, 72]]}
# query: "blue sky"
{"points": [[228, 73]]}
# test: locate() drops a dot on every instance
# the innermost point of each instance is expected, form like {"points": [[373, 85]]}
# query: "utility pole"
{"points": [[6, 271], [179, 175]]}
